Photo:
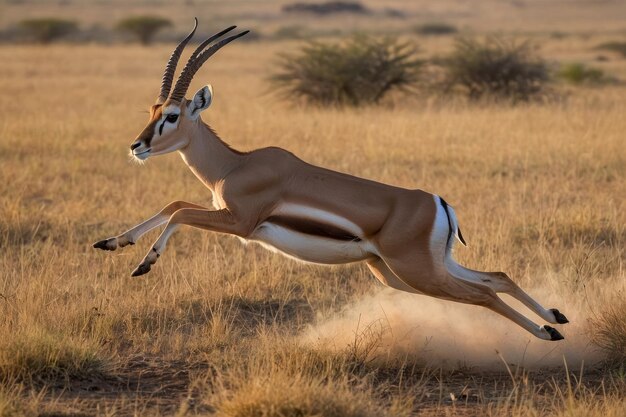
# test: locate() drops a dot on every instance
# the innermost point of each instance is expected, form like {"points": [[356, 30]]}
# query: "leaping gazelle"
{"points": [[310, 213]]}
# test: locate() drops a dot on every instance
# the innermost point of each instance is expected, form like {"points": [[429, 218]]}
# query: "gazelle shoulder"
{"points": [[273, 152], [272, 158], [260, 170]]}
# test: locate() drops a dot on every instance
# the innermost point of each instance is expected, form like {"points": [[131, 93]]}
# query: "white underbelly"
{"points": [[310, 248]]}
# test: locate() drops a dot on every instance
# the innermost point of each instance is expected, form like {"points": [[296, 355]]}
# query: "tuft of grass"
{"points": [[281, 395], [435, 28], [14, 403], [495, 68], [39, 357], [579, 73], [362, 70], [572, 399], [278, 376], [609, 332], [587, 404]]}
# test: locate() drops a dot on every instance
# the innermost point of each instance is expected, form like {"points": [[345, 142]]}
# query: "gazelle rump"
{"points": [[311, 213]]}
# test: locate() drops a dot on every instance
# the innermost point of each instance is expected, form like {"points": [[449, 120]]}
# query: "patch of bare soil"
{"points": [[152, 386], [146, 385], [466, 393]]}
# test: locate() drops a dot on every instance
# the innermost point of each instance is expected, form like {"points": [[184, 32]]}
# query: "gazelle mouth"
{"points": [[142, 155]]}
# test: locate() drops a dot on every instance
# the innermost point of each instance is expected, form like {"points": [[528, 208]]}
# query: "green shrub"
{"points": [[435, 29], [359, 71], [48, 29], [578, 73], [619, 47], [495, 68], [143, 27]]}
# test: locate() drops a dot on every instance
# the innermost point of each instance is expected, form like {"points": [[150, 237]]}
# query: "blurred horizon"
{"points": [[268, 18]]}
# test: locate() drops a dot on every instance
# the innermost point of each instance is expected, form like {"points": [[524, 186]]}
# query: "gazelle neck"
{"points": [[208, 157]]}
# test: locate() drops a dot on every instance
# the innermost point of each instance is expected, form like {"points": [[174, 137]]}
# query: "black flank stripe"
{"points": [[445, 208], [311, 227]]}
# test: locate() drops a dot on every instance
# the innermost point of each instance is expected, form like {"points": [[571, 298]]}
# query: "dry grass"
{"points": [[538, 189], [277, 396], [569, 402], [610, 332], [16, 402], [41, 357]]}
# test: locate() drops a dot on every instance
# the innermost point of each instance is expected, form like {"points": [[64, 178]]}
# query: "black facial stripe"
{"points": [[161, 128], [311, 227], [148, 133]]}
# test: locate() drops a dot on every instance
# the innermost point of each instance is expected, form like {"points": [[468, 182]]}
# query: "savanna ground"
{"points": [[219, 327]]}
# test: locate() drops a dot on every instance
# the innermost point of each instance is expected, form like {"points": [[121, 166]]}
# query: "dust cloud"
{"points": [[394, 325]]}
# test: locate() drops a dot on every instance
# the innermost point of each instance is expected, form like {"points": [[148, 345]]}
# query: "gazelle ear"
{"points": [[201, 100]]}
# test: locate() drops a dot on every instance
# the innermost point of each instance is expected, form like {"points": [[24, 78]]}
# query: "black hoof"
{"points": [[560, 318], [554, 333], [102, 244], [141, 269]]}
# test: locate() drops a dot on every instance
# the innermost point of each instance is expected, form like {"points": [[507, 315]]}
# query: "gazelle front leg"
{"points": [[218, 221], [130, 236]]}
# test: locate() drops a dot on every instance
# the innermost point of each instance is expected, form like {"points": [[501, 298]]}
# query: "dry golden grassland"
{"points": [[220, 327]]}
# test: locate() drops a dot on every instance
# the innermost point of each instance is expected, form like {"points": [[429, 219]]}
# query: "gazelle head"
{"points": [[173, 117]]}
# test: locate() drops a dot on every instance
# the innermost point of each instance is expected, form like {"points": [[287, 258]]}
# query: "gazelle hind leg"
{"points": [[544, 332], [442, 239], [552, 315], [441, 284], [500, 282]]}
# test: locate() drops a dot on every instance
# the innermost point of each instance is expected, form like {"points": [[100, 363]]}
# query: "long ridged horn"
{"points": [[208, 41], [170, 68], [196, 61]]}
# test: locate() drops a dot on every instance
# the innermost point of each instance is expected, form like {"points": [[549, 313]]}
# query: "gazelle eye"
{"points": [[171, 118]]}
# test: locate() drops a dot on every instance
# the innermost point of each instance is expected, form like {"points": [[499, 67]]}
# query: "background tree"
{"points": [[48, 29], [143, 27]]}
